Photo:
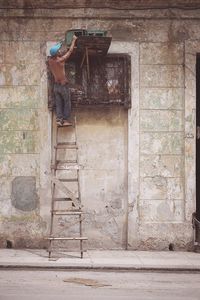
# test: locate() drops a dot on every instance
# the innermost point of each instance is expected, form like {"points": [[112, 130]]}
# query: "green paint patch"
{"points": [[19, 119], [19, 142], [21, 218], [20, 96]]}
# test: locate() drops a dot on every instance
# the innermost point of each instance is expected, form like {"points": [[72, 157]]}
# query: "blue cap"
{"points": [[55, 48]]}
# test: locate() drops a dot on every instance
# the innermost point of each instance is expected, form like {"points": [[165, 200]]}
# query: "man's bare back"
{"points": [[57, 68], [57, 64]]}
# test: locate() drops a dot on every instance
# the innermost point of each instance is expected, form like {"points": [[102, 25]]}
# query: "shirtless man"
{"points": [[56, 65]]}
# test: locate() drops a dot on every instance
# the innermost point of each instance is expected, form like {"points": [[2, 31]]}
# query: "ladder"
{"points": [[70, 203]]}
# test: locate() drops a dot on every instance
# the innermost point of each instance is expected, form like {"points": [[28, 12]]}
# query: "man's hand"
{"points": [[69, 52], [74, 37]]}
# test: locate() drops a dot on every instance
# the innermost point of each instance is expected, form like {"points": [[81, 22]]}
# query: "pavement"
{"points": [[100, 260]]}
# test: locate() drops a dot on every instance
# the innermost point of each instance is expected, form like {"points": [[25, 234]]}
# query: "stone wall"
{"points": [[158, 141], [20, 141], [161, 133]]}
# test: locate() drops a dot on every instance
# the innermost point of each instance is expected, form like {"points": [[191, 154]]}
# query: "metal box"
{"points": [[82, 32], [69, 35], [96, 32]]}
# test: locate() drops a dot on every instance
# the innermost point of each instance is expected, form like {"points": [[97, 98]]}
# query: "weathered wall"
{"points": [[162, 134], [161, 127], [20, 142]]}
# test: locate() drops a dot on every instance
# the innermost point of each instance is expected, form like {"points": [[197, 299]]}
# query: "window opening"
{"points": [[108, 84]]}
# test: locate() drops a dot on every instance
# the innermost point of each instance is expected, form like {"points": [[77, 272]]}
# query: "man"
{"points": [[61, 89]]}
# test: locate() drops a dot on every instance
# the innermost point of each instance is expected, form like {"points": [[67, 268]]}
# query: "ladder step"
{"points": [[63, 199], [72, 161], [61, 250], [67, 238], [67, 145], [68, 180], [69, 126], [65, 212], [64, 167]]}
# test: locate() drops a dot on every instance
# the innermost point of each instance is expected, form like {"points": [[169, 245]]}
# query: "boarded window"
{"points": [[105, 82]]}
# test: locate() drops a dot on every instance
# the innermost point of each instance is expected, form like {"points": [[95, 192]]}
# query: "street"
{"points": [[82, 285]]}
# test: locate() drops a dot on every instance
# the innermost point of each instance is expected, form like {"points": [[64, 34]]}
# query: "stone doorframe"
{"points": [[131, 215], [191, 49], [130, 209]]}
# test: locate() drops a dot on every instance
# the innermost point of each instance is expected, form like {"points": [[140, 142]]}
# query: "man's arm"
{"points": [[69, 52]]}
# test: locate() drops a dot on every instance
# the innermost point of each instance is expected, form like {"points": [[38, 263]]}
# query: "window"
{"points": [[104, 81]]}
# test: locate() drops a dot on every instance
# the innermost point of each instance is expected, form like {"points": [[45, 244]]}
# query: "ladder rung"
{"points": [[67, 238], [64, 167], [65, 212], [72, 161], [66, 147], [61, 126], [68, 180], [69, 145], [59, 249], [63, 199]]}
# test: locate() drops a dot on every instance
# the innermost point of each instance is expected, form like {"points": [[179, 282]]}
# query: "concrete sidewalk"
{"points": [[94, 260]]}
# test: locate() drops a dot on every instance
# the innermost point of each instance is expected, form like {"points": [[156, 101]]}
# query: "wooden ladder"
{"points": [[71, 198]]}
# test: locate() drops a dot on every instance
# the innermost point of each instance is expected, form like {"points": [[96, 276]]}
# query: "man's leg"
{"points": [[67, 103], [59, 105]]}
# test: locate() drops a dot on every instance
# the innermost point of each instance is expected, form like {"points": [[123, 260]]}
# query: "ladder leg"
{"points": [[81, 241], [79, 194], [50, 249], [52, 195], [52, 219]]}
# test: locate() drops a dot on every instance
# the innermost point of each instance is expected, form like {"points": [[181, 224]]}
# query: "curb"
{"points": [[101, 268]]}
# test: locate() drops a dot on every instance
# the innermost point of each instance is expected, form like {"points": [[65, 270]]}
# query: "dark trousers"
{"points": [[62, 101]]}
